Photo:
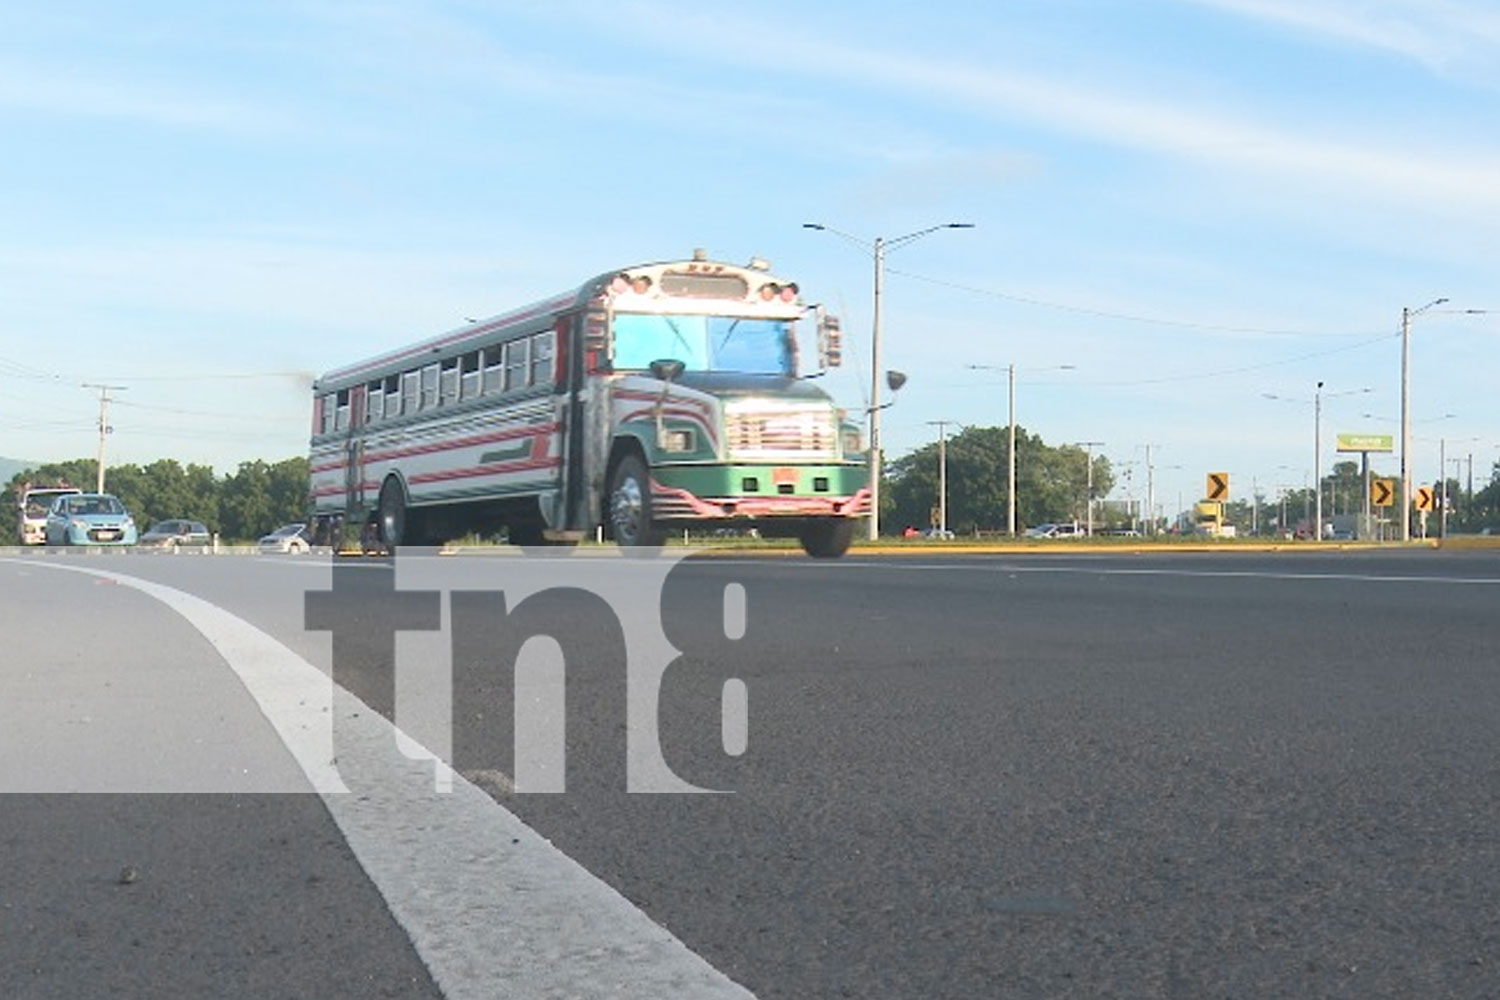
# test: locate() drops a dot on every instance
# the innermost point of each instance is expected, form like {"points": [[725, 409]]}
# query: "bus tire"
{"points": [[630, 505], [827, 539], [391, 515]]}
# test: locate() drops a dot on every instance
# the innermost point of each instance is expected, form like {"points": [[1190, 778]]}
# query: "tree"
{"points": [[1051, 483], [256, 498]]}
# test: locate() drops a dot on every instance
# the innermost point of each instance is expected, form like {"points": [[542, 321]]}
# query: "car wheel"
{"points": [[630, 505], [297, 547], [827, 539]]}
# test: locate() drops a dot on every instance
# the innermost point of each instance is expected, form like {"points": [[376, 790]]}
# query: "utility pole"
{"points": [[1089, 495], [942, 426], [104, 428]]}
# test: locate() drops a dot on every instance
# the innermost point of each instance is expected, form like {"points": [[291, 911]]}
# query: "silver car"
{"points": [[290, 538]]}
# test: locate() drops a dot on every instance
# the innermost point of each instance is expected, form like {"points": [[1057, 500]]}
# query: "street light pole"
{"points": [[1010, 399], [1318, 460], [1443, 484], [875, 463], [1088, 499], [1150, 492], [879, 247], [1406, 315], [1010, 454]]}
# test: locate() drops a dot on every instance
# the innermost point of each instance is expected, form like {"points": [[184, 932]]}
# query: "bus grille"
{"points": [[781, 434]]}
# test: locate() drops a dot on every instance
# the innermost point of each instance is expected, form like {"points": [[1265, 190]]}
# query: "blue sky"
{"points": [[1195, 203]]}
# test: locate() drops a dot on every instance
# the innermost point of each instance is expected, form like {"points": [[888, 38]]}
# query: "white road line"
{"points": [[975, 566], [493, 909]]}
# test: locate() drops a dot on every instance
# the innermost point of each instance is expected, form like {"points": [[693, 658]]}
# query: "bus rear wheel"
{"points": [[391, 515], [827, 539], [630, 505]]}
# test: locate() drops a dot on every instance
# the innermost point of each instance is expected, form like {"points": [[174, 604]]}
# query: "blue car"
{"points": [[89, 519]]}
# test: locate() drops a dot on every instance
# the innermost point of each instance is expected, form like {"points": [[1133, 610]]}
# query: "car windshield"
{"points": [[287, 532], [84, 506], [706, 343]]}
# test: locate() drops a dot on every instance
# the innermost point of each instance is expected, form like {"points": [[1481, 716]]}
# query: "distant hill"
{"points": [[10, 466]]}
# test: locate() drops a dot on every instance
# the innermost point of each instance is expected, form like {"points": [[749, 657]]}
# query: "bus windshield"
{"points": [[706, 343]]}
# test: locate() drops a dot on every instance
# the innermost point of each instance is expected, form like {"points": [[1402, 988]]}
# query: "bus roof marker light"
{"points": [[789, 292], [619, 283], [640, 284]]}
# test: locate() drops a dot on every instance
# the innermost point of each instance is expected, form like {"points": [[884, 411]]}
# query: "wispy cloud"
{"points": [[1443, 35], [1225, 134], [62, 90]]}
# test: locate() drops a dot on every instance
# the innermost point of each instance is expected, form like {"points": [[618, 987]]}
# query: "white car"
{"points": [[291, 538]]}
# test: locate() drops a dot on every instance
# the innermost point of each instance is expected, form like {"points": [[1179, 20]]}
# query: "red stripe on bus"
{"points": [[499, 468]]}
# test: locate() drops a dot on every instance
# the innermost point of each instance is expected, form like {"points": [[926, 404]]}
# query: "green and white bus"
{"points": [[646, 400]]}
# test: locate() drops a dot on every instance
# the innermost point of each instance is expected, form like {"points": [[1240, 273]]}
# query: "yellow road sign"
{"points": [[1382, 492], [1424, 500], [1218, 486]]}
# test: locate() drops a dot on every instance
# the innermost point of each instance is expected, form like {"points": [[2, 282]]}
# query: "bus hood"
{"points": [[737, 385]]}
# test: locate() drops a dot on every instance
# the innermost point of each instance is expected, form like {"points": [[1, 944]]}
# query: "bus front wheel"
{"points": [[630, 505], [827, 539]]}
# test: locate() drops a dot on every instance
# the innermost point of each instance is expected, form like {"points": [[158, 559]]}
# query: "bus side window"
{"points": [[392, 396], [328, 413], [448, 383], [541, 358], [429, 387], [409, 392], [375, 402], [494, 371], [341, 422], [515, 365], [468, 375]]}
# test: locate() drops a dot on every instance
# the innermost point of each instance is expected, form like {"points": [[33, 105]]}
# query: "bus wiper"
{"points": [[686, 347], [729, 332]]}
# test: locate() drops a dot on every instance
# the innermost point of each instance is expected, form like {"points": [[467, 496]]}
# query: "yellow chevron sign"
{"points": [[1423, 498], [1218, 486], [1382, 492]]}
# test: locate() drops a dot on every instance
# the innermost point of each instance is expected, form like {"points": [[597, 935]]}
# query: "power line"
{"points": [[1107, 314]]}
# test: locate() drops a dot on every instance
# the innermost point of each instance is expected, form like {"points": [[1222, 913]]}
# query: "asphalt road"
{"points": [[1179, 775]]}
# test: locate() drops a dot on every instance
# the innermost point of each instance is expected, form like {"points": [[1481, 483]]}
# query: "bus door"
{"points": [[354, 457], [570, 371]]}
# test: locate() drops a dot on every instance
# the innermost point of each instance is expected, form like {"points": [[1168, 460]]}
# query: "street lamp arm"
{"points": [[892, 244], [862, 244]]}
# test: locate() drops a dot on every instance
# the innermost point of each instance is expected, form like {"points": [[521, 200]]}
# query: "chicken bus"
{"points": [[644, 401]]}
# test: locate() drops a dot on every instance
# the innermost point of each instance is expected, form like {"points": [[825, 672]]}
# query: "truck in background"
{"points": [[32, 507], [1208, 519]]}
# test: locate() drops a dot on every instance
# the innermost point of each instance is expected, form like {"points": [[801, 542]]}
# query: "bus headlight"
{"points": [[678, 441]]}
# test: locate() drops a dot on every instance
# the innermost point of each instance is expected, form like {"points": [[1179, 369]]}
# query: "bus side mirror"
{"points": [[667, 369]]}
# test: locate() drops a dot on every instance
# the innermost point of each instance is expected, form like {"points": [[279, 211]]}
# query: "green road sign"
{"points": [[1367, 442]]}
